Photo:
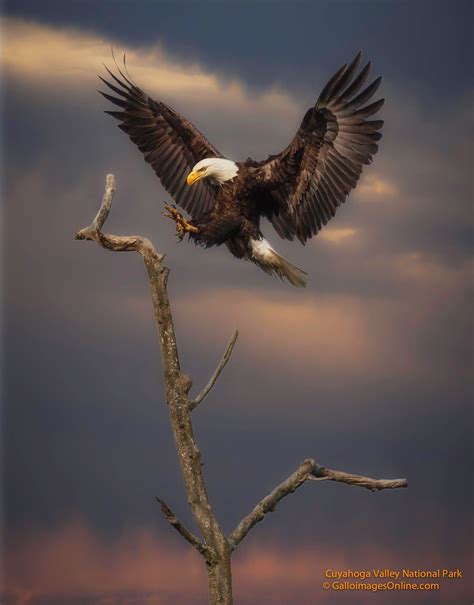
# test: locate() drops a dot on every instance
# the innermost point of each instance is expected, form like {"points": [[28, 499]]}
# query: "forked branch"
{"points": [[116, 243], [308, 470]]}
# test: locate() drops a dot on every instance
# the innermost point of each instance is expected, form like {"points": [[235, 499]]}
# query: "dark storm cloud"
{"points": [[423, 43], [367, 370]]}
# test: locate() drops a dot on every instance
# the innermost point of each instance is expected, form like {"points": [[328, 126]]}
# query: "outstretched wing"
{"points": [[307, 181], [170, 144]]}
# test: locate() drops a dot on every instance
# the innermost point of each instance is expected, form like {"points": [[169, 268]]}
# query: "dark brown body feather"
{"points": [[235, 214], [298, 190]]}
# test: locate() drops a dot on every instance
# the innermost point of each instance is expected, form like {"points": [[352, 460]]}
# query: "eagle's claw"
{"points": [[182, 225]]}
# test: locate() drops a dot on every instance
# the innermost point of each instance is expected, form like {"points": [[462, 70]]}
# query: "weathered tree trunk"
{"points": [[177, 386], [216, 548], [220, 579]]}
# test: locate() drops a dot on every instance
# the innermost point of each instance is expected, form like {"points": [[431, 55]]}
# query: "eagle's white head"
{"points": [[218, 170]]}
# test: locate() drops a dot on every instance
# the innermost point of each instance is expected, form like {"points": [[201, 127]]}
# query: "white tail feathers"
{"points": [[268, 259]]}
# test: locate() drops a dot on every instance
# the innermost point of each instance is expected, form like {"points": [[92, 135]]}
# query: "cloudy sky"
{"points": [[367, 370]]}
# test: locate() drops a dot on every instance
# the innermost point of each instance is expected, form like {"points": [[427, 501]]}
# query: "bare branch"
{"points": [[269, 503], [225, 358], [106, 205], [308, 470], [116, 243], [320, 473], [179, 527]]}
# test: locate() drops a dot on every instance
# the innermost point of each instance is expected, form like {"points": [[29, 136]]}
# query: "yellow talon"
{"points": [[182, 225]]}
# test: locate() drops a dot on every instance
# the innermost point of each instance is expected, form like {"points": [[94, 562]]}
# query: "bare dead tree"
{"points": [[215, 547]]}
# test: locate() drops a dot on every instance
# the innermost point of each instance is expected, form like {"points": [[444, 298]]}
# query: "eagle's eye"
{"points": [[202, 169]]}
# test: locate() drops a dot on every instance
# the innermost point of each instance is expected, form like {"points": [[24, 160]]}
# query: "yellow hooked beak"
{"points": [[193, 177]]}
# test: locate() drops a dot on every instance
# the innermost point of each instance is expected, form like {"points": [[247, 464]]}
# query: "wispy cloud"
{"points": [[70, 58], [373, 186], [337, 236]]}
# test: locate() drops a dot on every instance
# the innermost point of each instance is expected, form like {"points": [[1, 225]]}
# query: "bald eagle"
{"points": [[297, 190]]}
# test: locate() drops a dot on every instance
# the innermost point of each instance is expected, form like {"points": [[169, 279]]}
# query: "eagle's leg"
{"points": [[182, 225]]}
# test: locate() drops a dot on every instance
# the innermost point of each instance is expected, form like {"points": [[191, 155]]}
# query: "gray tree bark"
{"points": [[215, 546]]}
